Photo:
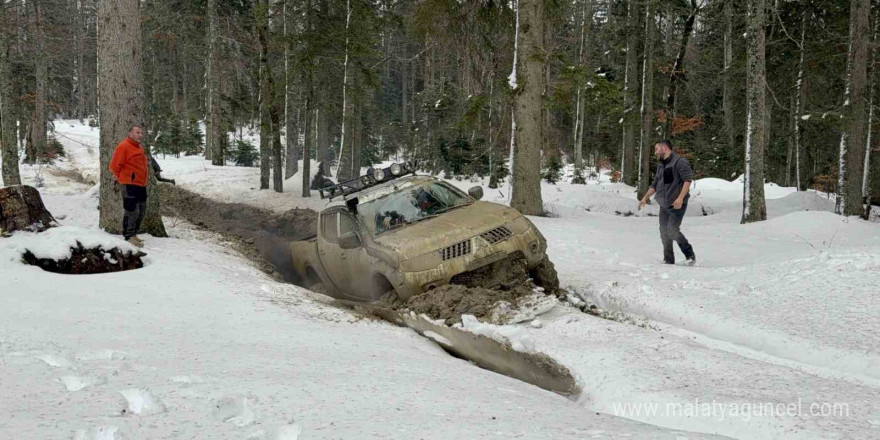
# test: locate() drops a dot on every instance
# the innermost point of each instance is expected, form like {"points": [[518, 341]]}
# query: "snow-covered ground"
{"points": [[774, 334]]}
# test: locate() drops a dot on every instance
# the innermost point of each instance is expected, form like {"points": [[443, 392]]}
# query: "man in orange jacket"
{"points": [[129, 165]]}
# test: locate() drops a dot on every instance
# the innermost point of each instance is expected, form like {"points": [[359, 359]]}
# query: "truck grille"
{"points": [[456, 250], [496, 235]]}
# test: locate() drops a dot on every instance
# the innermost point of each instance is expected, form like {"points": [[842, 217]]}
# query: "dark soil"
{"points": [[88, 261]]}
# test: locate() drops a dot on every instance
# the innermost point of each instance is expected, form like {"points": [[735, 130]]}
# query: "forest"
{"points": [[777, 91]]}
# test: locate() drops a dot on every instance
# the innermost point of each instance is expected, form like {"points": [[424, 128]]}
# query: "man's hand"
{"points": [[677, 204], [642, 203]]}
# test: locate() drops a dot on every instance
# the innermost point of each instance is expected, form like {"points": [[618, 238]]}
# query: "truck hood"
{"points": [[447, 229]]}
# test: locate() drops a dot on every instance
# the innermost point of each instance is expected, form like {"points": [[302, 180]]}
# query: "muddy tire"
{"points": [[318, 288], [544, 275], [382, 289]]}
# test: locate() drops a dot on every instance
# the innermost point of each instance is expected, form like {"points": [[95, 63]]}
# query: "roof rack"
{"points": [[369, 180]]}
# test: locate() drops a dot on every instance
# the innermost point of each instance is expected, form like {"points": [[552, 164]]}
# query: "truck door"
{"points": [[342, 255]]}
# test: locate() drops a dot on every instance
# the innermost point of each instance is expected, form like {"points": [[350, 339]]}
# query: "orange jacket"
{"points": [[129, 163]]}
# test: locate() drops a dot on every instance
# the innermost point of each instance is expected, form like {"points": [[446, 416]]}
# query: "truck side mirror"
{"points": [[476, 192], [349, 240]]}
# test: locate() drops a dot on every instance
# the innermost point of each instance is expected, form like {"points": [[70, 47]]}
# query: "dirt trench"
{"points": [[262, 235], [494, 294]]}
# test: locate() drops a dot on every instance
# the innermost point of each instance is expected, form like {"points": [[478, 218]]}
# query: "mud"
{"points": [[261, 235], [451, 301], [490, 294]]}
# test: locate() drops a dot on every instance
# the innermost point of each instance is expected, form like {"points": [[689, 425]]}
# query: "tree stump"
{"points": [[21, 208]]}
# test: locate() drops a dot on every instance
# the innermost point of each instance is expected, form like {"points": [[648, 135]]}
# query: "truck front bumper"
{"points": [[528, 242]]}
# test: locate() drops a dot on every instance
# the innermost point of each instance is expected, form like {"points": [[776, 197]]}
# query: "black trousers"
{"points": [[134, 202], [670, 230]]}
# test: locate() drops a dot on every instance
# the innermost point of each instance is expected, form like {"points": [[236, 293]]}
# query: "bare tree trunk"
{"points": [[308, 128], [628, 169], [583, 64], [340, 173], [275, 113], [727, 87], [265, 95], [213, 125], [754, 205], [8, 139], [790, 153], [528, 101], [678, 67], [323, 139], [647, 109], [291, 137], [798, 107], [37, 141], [79, 59], [872, 79], [121, 102], [853, 139]]}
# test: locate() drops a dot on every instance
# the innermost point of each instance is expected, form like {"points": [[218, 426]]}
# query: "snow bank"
{"points": [[55, 243]]}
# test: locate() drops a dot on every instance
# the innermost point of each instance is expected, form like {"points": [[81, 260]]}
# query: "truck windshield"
{"points": [[410, 205]]}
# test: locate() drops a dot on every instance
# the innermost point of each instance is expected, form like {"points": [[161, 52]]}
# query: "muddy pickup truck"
{"points": [[397, 232]]}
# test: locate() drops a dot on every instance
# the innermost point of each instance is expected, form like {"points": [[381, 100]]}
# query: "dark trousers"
{"points": [[670, 230], [134, 201]]}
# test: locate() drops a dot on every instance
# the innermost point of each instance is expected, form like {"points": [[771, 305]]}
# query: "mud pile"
{"points": [[502, 293]]}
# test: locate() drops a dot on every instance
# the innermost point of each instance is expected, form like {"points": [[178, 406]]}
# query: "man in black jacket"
{"points": [[672, 182]]}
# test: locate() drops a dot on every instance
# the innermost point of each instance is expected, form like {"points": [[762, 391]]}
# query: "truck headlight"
{"points": [[519, 225], [422, 262]]}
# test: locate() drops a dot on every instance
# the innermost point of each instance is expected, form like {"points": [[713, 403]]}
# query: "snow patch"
{"points": [[518, 339], [100, 433], [437, 338], [140, 401], [235, 410]]}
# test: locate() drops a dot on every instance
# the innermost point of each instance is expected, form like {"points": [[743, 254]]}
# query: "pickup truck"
{"points": [[401, 232]]}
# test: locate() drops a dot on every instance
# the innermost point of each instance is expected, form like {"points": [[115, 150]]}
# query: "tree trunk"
{"points": [[213, 125], [754, 206], [308, 129], [528, 101], [341, 173], [678, 67], [8, 139], [121, 100], [21, 208], [853, 139], [728, 77], [866, 174], [291, 136], [265, 94], [583, 65], [628, 169], [647, 109], [37, 140], [323, 138], [799, 102]]}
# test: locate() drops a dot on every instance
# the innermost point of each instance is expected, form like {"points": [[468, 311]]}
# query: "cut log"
{"points": [[21, 208]]}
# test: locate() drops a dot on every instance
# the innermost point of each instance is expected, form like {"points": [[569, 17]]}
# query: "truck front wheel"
{"points": [[382, 288]]}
